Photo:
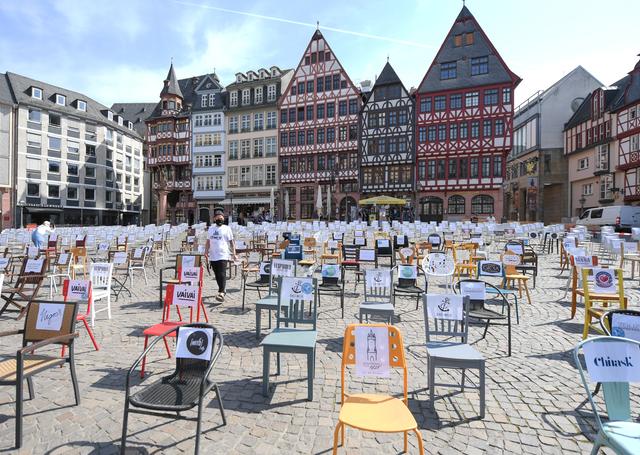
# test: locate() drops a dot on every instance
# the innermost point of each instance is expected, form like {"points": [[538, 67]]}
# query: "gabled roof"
{"points": [[630, 88], [387, 76], [5, 90], [135, 113], [498, 73], [171, 86]]}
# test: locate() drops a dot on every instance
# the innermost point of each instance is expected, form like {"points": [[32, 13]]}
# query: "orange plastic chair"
{"points": [[374, 412]]}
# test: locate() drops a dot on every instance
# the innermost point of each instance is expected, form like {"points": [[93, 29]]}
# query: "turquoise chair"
{"points": [[298, 339], [619, 433], [270, 302]]}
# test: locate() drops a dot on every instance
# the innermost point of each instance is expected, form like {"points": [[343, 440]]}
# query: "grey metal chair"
{"points": [[332, 283], [378, 295], [449, 314], [300, 294]]}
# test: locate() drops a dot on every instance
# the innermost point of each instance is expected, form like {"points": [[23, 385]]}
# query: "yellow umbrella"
{"points": [[382, 200]]}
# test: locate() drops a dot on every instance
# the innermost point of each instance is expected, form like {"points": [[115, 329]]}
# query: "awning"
{"points": [[246, 200], [41, 209]]}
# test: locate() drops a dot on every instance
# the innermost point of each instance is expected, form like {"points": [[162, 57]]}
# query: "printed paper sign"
{"points": [[383, 243], [330, 271], [514, 248], [103, 246], [294, 288], [190, 275], [332, 244], [576, 251], [358, 234], [475, 290], [32, 251], [80, 237], [406, 252], [630, 247], [490, 268], [583, 261], [120, 257], [166, 228], [100, 268], [191, 239], [407, 272], [604, 281], [241, 245], [434, 239], [281, 267], [77, 290], [33, 266], [625, 326], [157, 238], [612, 361], [4, 262], [265, 268], [360, 241], [366, 255], [185, 295], [63, 259], [194, 343], [122, 239], [511, 259], [137, 253], [400, 239], [53, 237], [50, 316], [188, 261], [372, 351], [444, 306], [377, 278]]}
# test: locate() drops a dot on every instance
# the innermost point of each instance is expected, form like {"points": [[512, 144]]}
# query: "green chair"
{"points": [[276, 268], [619, 433], [300, 294]]}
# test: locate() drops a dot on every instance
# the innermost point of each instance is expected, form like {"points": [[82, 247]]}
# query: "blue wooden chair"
{"points": [[301, 297], [447, 352], [378, 294], [277, 268], [620, 432]]}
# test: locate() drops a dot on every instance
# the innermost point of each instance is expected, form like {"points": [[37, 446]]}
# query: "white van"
{"points": [[621, 217]]}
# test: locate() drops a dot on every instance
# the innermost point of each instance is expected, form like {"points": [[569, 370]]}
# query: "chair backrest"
{"points": [[350, 252], [384, 247], [357, 338], [511, 259], [300, 294], [407, 275], [48, 319], [400, 241], [100, 274], [198, 346], [280, 268], [378, 285], [621, 323], [367, 256], [293, 251], [438, 264], [182, 295], [448, 313], [332, 274], [602, 280], [613, 362], [435, 241], [514, 246], [187, 260], [32, 270], [78, 291]]}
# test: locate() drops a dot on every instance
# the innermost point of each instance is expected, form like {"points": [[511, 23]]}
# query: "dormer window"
{"points": [[130, 125], [239, 78], [110, 115], [212, 99], [120, 121], [36, 93], [274, 72], [246, 97], [61, 99], [203, 101], [233, 101], [172, 104], [82, 105]]}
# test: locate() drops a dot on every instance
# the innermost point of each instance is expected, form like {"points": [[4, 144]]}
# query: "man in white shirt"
{"points": [[220, 249]]}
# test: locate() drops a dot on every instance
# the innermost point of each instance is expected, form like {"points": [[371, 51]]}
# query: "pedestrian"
{"points": [[220, 249], [39, 236]]}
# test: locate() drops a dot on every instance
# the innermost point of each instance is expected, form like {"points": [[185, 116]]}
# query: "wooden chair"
{"points": [[331, 252], [511, 274], [576, 280], [80, 263], [374, 412], [592, 294], [27, 286], [463, 257], [15, 370]]}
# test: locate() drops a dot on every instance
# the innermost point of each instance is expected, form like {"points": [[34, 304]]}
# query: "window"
{"points": [[506, 96], [453, 169], [90, 150], [497, 166], [441, 168], [233, 100], [82, 105], [486, 166], [331, 135], [587, 189], [425, 104], [271, 92], [33, 189], [353, 132], [34, 115], [442, 133], [319, 84], [36, 93], [320, 111], [258, 121], [353, 106], [331, 110], [479, 65], [310, 137], [491, 97], [431, 136], [89, 194], [270, 174], [72, 169], [245, 148], [310, 112], [456, 205], [342, 134], [246, 122], [464, 130], [34, 140], [482, 205], [301, 137], [55, 120], [257, 176], [270, 146], [203, 100], [342, 108], [431, 170], [475, 129], [283, 116], [246, 96], [474, 168], [462, 167], [61, 100], [402, 117], [471, 99], [448, 70], [301, 114], [422, 170], [583, 164], [455, 101], [320, 135], [271, 120], [283, 139], [453, 131], [54, 143], [336, 81], [440, 103], [54, 191], [468, 39], [310, 86], [499, 128], [258, 95], [486, 128], [258, 148], [233, 150], [245, 176], [72, 193], [90, 172], [232, 176], [54, 167]]}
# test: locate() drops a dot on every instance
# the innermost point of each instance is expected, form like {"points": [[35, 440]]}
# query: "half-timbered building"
{"points": [[463, 126], [319, 135], [387, 152]]}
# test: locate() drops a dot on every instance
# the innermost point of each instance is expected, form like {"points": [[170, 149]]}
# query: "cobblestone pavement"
{"points": [[535, 401]]}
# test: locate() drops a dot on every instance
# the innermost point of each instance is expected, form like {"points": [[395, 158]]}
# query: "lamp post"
{"points": [[232, 207], [582, 200], [21, 213]]}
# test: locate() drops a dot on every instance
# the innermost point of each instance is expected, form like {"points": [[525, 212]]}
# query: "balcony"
{"points": [[208, 194], [601, 167], [245, 129], [174, 185]]}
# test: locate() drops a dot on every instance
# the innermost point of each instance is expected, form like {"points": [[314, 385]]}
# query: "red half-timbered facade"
{"points": [[318, 133], [464, 117], [628, 132]]}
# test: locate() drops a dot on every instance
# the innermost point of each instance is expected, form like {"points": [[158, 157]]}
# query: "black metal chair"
{"points": [[262, 283], [332, 283], [479, 310], [407, 284], [186, 387]]}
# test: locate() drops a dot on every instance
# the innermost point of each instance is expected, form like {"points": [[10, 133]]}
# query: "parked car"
{"points": [[621, 217]]}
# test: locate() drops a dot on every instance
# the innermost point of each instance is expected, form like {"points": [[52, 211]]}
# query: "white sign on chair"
{"points": [[612, 361], [444, 306], [50, 316], [194, 343], [185, 295], [294, 288], [372, 351], [625, 326]]}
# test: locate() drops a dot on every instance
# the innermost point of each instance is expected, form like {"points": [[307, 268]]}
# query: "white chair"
{"points": [[61, 269], [138, 262], [100, 274], [439, 265]]}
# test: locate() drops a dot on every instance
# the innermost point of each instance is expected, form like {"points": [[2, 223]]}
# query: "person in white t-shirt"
{"points": [[220, 249]]}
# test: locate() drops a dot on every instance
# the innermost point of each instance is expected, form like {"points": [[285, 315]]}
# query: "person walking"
{"points": [[39, 236], [221, 248]]}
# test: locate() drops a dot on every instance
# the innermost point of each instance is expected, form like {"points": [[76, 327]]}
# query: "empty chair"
{"points": [[100, 274], [407, 283], [378, 295], [138, 262], [439, 265], [332, 283]]}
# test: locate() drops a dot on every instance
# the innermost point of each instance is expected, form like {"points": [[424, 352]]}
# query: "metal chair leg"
{"points": [[125, 420], [219, 397]]}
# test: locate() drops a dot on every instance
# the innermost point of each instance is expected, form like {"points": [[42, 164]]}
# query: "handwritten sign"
{"points": [[444, 306], [194, 343], [604, 281], [625, 326], [100, 268], [408, 272], [372, 351], [612, 361], [188, 261], [294, 288], [77, 290], [50, 316], [281, 267], [34, 266], [377, 278], [185, 295], [190, 275]]}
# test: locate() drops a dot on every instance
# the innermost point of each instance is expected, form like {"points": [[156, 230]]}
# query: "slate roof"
{"points": [[5, 91], [498, 73], [388, 76], [21, 85], [171, 86], [135, 113]]}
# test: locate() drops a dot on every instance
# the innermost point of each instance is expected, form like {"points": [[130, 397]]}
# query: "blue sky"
{"points": [[120, 50]]}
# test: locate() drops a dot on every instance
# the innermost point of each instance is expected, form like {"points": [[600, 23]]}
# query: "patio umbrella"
{"points": [[319, 201], [286, 205], [329, 202], [382, 200], [272, 203]]}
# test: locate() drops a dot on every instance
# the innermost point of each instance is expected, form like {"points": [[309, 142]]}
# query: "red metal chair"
{"points": [[80, 290]]}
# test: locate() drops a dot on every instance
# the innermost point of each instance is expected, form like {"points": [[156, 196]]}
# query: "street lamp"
{"points": [[232, 208]]}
